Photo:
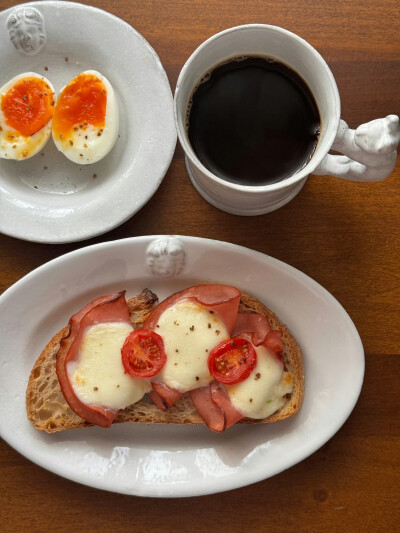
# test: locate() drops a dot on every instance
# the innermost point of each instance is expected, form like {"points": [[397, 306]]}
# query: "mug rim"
{"points": [[315, 159]]}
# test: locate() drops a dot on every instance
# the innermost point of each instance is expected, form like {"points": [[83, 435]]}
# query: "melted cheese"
{"points": [[190, 331], [99, 378], [262, 393]]}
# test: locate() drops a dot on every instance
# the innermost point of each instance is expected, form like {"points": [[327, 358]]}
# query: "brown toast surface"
{"points": [[48, 410]]}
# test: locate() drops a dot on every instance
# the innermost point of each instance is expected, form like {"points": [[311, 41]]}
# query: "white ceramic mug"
{"points": [[370, 150]]}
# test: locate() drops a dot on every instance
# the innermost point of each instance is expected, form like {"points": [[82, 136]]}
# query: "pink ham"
{"points": [[259, 327], [212, 415], [215, 407], [157, 400], [221, 398], [222, 299], [105, 309], [253, 323], [163, 396], [273, 341]]}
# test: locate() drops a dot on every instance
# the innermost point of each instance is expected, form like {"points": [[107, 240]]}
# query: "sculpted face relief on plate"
{"points": [[370, 151]]}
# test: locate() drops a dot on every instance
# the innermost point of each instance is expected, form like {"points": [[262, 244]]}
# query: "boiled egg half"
{"points": [[86, 118], [26, 110]]}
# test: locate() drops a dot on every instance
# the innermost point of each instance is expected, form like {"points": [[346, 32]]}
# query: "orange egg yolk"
{"points": [[28, 105], [82, 102]]}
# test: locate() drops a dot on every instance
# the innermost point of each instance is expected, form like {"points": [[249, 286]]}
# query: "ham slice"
{"points": [[253, 323], [221, 398], [222, 299], [163, 396], [261, 333], [215, 407], [212, 415], [157, 400], [273, 341], [112, 308]]}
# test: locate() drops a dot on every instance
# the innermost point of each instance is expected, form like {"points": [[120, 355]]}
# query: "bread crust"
{"points": [[48, 410]]}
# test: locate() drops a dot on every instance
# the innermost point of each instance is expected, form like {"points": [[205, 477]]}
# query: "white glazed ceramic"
{"points": [[371, 161], [48, 198], [171, 461]]}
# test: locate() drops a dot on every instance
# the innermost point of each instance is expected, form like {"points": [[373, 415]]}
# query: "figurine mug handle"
{"points": [[369, 152]]}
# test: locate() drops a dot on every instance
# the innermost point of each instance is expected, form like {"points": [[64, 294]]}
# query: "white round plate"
{"points": [[163, 460], [48, 198]]}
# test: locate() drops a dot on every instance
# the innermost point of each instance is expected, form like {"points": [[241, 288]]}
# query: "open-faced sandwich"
{"points": [[208, 354]]}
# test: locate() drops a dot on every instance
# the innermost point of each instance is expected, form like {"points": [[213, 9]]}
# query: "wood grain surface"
{"points": [[344, 235]]}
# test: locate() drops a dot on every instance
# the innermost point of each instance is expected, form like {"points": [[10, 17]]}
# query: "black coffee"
{"points": [[253, 121]]}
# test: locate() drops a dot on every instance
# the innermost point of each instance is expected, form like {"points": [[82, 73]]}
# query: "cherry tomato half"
{"points": [[232, 360], [143, 354]]}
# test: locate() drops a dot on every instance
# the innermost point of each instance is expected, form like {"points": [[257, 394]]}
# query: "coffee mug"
{"points": [[370, 151]]}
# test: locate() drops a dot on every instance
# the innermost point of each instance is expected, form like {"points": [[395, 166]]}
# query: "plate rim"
{"points": [[185, 489]]}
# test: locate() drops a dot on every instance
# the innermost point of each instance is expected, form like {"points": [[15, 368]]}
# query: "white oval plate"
{"points": [[162, 460], [50, 199]]}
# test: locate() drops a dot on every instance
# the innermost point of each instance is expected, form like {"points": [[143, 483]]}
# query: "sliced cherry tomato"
{"points": [[143, 354], [232, 360]]}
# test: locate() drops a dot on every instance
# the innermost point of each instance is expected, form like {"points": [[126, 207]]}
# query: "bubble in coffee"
{"points": [[252, 120]]}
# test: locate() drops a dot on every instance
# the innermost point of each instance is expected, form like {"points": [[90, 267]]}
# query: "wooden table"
{"points": [[344, 235]]}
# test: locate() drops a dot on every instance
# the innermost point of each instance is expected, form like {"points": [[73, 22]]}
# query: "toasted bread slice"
{"points": [[45, 403], [48, 410]]}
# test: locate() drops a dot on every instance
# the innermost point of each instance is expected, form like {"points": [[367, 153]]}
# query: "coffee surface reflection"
{"points": [[252, 120]]}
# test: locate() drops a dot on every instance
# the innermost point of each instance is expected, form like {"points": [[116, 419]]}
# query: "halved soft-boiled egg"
{"points": [[86, 118], [26, 110]]}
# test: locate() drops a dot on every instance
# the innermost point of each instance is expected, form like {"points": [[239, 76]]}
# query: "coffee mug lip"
{"points": [[317, 156]]}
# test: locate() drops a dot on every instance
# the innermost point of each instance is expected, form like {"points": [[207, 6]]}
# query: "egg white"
{"points": [[90, 144], [14, 145]]}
